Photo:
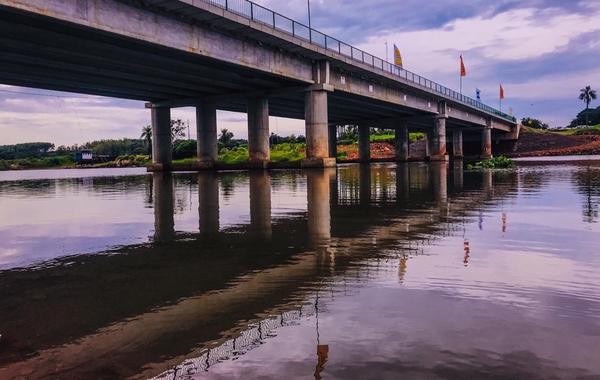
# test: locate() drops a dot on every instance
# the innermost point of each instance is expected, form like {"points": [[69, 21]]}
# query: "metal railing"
{"points": [[279, 22]]}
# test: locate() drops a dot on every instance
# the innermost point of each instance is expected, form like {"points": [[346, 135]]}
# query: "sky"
{"points": [[541, 51]]}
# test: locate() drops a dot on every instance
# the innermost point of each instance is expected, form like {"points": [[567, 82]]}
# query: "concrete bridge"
{"points": [[235, 56]]}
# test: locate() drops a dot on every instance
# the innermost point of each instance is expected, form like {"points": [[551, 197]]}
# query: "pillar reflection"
{"points": [[439, 171], [458, 174], [319, 206], [402, 181], [208, 203], [164, 221], [364, 177], [260, 204]]}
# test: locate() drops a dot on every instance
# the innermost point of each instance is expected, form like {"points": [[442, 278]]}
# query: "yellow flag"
{"points": [[397, 56]]}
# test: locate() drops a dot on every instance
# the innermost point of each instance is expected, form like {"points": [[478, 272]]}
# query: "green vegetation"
{"points": [[499, 162], [37, 163], [286, 152], [126, 161], [595, 129], [533, 123]]}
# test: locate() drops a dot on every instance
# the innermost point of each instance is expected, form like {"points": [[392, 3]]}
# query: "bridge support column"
{"points": [[260, 205], [258, 132], [208, 204], [206, 127], [438, 143], [402, 143], [364, 143], [457, 144], [317, 133], [162, 146], [428, 139], [333, 141], [486, 142]]}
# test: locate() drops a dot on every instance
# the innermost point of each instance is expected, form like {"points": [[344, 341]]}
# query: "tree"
{"points": [[146, 136], [225, 137], [178, 128], [587, 95], [533, 123]]}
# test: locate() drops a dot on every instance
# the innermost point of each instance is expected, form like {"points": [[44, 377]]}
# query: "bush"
{"points": [[288, 152], [234, 155], [184, 149], [499, 162]]}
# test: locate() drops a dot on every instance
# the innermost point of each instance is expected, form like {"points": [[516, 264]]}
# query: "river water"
{"points": [[384, 272]]}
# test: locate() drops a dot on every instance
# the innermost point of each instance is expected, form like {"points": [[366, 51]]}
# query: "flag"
{"points": [[463, 69], [501, 92], [397, 56], [478, 94]]}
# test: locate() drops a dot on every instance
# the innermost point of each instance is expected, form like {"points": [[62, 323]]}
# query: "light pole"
{"points": [[309, 24]]}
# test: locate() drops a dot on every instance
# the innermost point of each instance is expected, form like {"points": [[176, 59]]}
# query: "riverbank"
{"points": [[537, 143]]}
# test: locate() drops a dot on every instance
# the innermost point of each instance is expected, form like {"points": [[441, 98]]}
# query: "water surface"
{"points": [[381, 272]]}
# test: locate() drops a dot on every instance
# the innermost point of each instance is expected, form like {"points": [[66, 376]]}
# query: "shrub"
{"points": [[184, 149], [500, 162]]}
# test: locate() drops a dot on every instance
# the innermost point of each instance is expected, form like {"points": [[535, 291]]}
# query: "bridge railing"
{"points": [[285, 24]]}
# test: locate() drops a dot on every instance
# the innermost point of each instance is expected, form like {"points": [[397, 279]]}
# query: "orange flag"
{"points": [[501, 92], [463, 69]]}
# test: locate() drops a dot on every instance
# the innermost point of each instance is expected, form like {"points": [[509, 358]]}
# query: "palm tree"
{"points": [[147, 137], [587, 95]]}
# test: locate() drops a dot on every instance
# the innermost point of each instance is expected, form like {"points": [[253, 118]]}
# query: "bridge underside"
{"points": [[43, 52]]}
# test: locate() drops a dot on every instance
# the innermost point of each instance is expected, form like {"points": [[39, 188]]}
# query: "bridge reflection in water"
{"points": [[186, 301]]}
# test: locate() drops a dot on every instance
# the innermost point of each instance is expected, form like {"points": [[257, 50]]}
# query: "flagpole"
{"points": [[387, 52], [461, 83]]}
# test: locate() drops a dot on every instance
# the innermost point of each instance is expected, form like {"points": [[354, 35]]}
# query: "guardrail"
{"points": [[285, 24]]}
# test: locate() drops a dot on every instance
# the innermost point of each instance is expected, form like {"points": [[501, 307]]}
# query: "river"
{"points": [[365, 272]]}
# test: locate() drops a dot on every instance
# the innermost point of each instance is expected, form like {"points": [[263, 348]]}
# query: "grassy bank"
{"points": [[279, 153], [38, 163], [595, 129]]}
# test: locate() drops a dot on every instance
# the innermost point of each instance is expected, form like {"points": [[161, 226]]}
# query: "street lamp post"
{"points": [[309, 23]]}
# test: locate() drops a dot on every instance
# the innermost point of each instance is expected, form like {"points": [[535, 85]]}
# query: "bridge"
{"points": [[237, 56]]}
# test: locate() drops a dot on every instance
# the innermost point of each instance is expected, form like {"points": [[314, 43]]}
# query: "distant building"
{"points": [[88, 157]]}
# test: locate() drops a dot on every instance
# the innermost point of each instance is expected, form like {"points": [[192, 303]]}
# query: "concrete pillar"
{"points": [[317, 134], [428, 140], [486, 142], [208, 203], [163, 203], [162, 146], [402, 143], [457, 144], [438, 143], [364, 143], [206, 127], [333, 141], [260, 205], [319, 207], [258, 131]]}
